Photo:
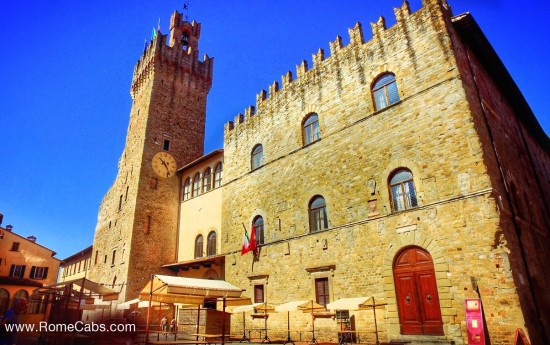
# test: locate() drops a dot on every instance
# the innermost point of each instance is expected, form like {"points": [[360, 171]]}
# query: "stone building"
{"points": [[138, 217], [407, 167], [404, 167]]}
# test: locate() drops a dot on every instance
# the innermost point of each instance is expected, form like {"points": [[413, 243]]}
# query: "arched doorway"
{"points": [[416, 292]]}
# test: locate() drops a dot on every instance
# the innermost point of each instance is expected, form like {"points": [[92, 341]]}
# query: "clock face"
{"points": [[164, 164]]}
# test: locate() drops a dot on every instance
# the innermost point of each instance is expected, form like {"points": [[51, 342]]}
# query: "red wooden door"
{"points": [[416, 292]]}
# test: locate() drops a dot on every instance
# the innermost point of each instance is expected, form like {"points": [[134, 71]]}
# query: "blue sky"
{"points": [[67, 68]]}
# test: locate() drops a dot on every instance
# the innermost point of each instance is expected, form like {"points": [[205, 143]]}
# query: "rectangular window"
{"points": [[39, 272], [258, 294], [15, 247], [95, 260], [114, 257], [321, 291], [17, 271], [166, 145]]}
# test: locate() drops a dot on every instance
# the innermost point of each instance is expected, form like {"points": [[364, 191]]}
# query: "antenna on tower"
{"points": [[186, 9]]}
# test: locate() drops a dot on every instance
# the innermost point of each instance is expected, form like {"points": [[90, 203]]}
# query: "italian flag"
{"points": [[249, 243]]}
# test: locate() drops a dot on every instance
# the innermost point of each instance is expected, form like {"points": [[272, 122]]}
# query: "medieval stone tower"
{"points": [[138, 215]]}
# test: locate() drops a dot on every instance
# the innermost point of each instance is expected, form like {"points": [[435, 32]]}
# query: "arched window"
{"points": [[310, 129], [187, 189], [385, 91], [257, 158], [196, 184], [318, 219], [211, 244], [207, 180], [4, 300], [218, 175], [20, 294], [258, 224], [198, 247], [403, 194]]}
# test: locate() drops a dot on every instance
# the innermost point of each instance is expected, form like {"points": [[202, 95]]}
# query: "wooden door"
{"points": [[416, 293]]}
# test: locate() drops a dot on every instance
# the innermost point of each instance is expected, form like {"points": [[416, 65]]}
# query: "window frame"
{"points": [[218, 175], [322, 297], [211, 243], [259, 289], [257, 157], [196, 185], [15, 246], [405, 195], [207, 180], [314, 127], [318, 211], [383, 87], [259, 229], [186, 194], [17, 271], [199, 246], [39, 272]]}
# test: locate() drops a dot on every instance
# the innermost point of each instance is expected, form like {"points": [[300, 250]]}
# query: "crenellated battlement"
{"points": [[181, 54], [381, 36]]}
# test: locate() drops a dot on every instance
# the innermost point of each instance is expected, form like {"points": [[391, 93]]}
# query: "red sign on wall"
{"points": [[474, 322]]}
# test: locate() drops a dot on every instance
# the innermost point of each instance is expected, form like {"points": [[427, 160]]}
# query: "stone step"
{"points": [[422, 340]]}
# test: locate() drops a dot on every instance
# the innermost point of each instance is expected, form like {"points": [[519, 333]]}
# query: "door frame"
{"points": [[412, 276]]}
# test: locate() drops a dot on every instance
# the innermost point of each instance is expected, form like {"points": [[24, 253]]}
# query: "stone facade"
{"points": [[439, 132], [138, 218], [457, 124]]}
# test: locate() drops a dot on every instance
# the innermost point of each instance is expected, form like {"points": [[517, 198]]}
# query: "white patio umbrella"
{"points": [[306, 307]]}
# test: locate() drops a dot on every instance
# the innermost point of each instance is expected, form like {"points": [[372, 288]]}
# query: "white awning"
{"points": [[91, 289], [348, 303], [169, 289]]}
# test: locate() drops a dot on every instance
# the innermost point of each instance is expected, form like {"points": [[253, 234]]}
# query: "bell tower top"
{"points": [[181, 52], [184, 35]]}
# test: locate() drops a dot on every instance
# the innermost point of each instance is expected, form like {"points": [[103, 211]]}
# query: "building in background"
{"points": [[24, 266], [407, 167], [76, 266]]}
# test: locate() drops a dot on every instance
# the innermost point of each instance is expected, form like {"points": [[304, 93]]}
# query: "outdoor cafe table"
{"points": [[176, 342], [265, 339], [208, 337]]}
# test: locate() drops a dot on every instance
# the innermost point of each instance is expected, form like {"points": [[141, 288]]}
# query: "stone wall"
{"points": [[431, 131], [516, 152]]}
